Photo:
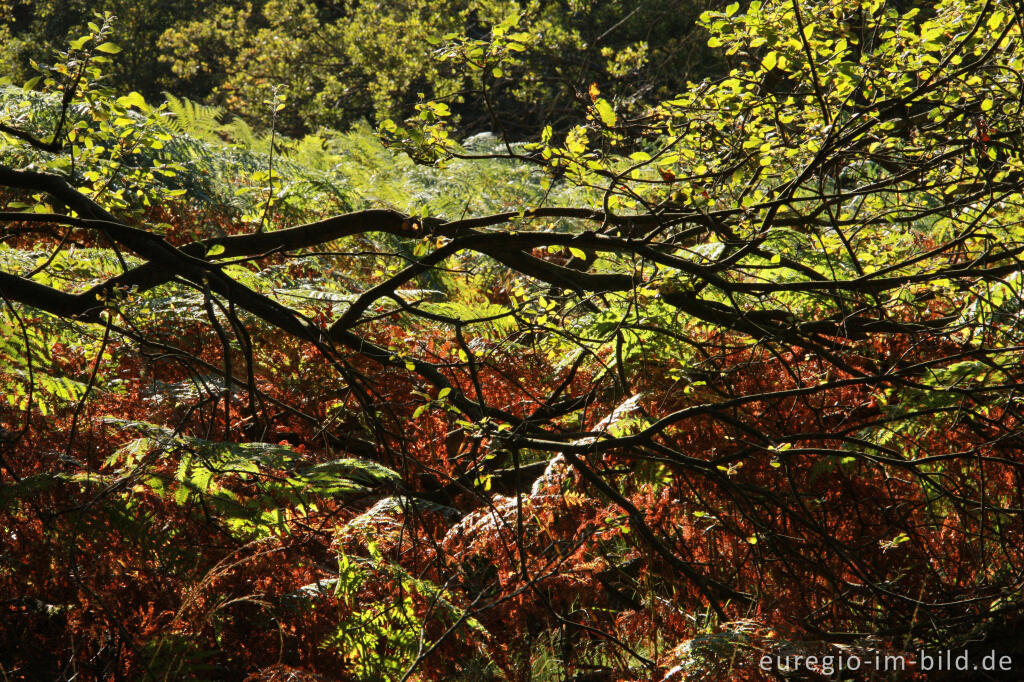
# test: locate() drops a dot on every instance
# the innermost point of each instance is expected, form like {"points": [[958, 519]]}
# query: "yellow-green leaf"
{"points": [[605, 110], [132, 99]]}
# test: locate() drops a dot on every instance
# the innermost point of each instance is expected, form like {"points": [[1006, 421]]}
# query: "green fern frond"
{"points": [[201, 121]]}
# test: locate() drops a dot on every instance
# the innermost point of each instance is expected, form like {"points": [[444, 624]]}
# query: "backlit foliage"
{"points": [[693, 380]]}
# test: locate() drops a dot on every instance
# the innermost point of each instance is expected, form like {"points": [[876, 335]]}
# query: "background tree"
{"points": [[342, 62], [36, 30]]}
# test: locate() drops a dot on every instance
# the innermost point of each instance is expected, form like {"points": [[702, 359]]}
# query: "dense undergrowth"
{"points": [[649, 399]]}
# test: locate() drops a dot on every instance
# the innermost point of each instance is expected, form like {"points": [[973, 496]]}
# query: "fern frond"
{"points": [[201, 121]]}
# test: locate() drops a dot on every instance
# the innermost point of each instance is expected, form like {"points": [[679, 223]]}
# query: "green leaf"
{"points": [[215, 250], [605, 110], [132, 99], [109, 48]]}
